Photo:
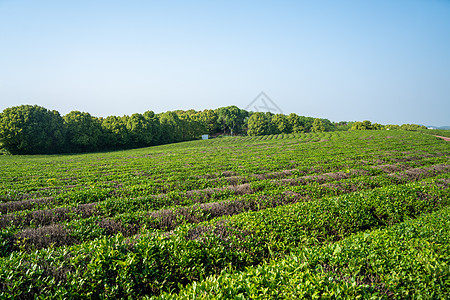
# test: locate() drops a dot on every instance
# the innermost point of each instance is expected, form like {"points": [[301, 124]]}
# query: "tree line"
{"points": [[28, 129], [268, 123], [367, 125]]}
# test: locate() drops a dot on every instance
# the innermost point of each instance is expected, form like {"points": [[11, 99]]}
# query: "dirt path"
{"points": [[443, 137]]}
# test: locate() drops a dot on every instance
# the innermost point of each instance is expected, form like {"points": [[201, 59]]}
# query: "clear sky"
{"points": [[387, 61]]}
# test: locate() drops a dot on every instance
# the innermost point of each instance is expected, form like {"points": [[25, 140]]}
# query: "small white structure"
{"points": [[205, 137]]}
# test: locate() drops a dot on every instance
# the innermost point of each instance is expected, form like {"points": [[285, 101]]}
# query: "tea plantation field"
{"points": [[320, 215]]}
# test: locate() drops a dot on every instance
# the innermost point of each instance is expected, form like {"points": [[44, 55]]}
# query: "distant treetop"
{"points": [[30, 129]]}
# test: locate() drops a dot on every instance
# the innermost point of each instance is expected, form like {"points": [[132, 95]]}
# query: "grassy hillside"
{"points": [[202, 216], [439, 132]]}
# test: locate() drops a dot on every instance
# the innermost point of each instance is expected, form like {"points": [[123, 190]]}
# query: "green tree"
{"points": [[231, 119], [257, 124], [329, 126], [84, 132], [140, 131], [376, 126], [294, 123], [364, 125], [357, 126], [170, 125], [271, 127], [392, 127], [281, 123], [153, 127], [412, 127], [342, 126], [115, 133], [191, 127], [30, 129], [367, 124], [306, 123], [317, 126], [209, 118]]}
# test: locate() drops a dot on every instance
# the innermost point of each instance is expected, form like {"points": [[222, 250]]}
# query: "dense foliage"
{"points": [[411, 127], [318, 215], [30, 129], [408, 260], [367, 125], [267, 123]]}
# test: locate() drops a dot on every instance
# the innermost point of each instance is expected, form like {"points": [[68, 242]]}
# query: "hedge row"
{"points": [[150, 263], [73, 226], [409, 260]]}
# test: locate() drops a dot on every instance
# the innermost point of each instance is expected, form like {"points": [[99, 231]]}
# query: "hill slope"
{"points": [[154, 220]]}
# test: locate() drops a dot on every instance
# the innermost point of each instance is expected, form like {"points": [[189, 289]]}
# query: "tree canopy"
{"points": [[317, 126], [28, 129], [84, 132], [258, 124]]}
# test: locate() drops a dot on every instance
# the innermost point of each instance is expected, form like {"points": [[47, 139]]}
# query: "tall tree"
{"points": [[257, 124], [209, 118], [187, 126], [392, 127], [412, 127], [153, 127], [271, 127], [306, 123], [115, 133], [377, 126], [231, 118], [294, 123], [30, 129], [140, 131], [170, 128], [329, 126], [84, 131], [317, 126], [364, 125], [281, 123]]}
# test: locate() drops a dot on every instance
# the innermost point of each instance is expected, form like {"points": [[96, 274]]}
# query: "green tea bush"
{"points": [[164, 262], [406, 261], [135, 223]]}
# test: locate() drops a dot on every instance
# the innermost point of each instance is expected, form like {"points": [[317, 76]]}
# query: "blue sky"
{"points": [[385, 61]]}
